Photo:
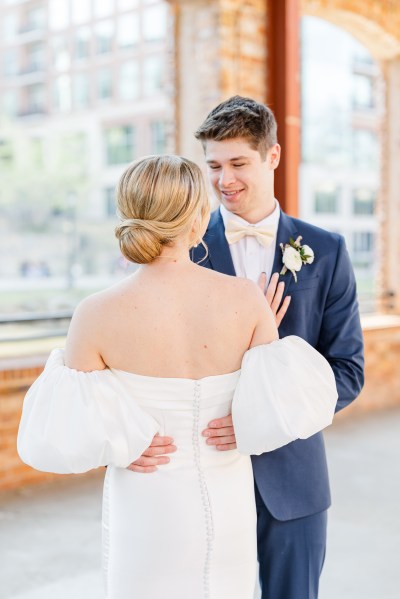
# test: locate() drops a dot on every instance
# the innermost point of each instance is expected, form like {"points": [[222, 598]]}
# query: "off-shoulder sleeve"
{"points": [[286, 391], [74, 421]]}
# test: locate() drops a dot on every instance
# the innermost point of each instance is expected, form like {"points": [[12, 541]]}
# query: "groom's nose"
{"points": [[226, 177]]}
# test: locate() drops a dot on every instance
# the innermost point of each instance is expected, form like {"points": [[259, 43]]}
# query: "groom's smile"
{"points": [[241, 178]]}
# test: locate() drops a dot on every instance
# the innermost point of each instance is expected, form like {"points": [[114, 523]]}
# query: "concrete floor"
{"points": [[50, 534]]}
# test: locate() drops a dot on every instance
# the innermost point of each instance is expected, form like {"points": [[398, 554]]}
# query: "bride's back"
{"points": [[175, 320]]}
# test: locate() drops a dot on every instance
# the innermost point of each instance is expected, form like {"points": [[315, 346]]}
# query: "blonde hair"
{"points": [[159, 198]]}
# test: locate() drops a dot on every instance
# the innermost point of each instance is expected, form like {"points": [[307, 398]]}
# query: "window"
{"points": [[364, 201], [158, 140], [10, 26], [152, 74], [104, 84], [365, 149], [326, 200], [363, 242], [82, 43], [58, 14], [6, 153], [129, 80], [119, 144], [36, 151], [36, 98], [10, 62], [363, 91], [155, 23], [71, 146], [127, 4], [80, 88], [81, 11], [109, 197], [62, 93], [103, 8], [35, 19], [11, 102], [104, 32], [36, 58], [128, 30], [61, 53]]}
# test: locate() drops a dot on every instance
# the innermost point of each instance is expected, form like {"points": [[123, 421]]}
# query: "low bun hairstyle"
{"points": [[159, 198]]}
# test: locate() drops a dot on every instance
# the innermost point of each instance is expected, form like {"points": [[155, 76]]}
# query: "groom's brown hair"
{"points": [[240, 117]]}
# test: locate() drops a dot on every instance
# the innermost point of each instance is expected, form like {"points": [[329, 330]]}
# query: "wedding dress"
{"points": [[188, 529]]}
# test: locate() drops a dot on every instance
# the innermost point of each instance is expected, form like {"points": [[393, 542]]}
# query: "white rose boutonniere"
{"points": [[294, 255]]}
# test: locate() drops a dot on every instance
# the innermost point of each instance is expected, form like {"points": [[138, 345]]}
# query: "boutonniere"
{"points": [[294, 255]]}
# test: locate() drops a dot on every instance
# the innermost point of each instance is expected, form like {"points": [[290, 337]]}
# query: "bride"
{"points": [[168, 349]]}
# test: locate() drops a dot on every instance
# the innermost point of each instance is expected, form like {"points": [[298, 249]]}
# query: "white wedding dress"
{"points": [[188, 529]]}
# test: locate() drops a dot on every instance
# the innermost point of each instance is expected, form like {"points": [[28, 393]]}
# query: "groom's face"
{"points": [[242, 180]]}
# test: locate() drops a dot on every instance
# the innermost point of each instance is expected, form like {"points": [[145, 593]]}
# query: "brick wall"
{"points": [[382, 391]]}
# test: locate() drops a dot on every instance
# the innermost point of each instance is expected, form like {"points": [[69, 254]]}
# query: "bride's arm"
{"points": [[265, 329], [84, 337]]}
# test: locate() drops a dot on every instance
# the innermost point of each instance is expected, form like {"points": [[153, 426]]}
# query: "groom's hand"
{"points": [[220, 433], [274, 294], [154, 455]]}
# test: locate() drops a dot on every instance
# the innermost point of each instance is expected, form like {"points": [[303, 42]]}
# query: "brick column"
{"points": [[220, 50], [389, 245]]}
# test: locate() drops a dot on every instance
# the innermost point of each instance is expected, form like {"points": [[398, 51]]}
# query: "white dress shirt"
{"points": [[250, 258]]}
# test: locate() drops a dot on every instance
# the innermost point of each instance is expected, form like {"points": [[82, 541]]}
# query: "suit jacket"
{"points": [[293, 480]]}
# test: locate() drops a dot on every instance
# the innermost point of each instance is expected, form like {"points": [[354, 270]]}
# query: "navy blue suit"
{"points": [[292, 486]]}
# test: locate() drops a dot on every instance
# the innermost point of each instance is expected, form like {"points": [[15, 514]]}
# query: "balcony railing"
{"points": [[29, 327]]}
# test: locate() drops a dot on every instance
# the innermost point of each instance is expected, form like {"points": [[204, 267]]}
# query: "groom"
{"points": [[243, 238], [239, 139]]}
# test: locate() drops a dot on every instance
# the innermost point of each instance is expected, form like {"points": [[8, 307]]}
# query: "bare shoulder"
{"points": [[242, 290], [96, 304], [84, 340]]}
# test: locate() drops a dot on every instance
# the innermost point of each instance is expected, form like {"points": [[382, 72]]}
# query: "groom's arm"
{"points": [[341, 340]]}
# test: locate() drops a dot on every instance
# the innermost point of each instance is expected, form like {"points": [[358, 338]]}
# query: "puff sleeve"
{"points": [[286, 391], [75, 421]]}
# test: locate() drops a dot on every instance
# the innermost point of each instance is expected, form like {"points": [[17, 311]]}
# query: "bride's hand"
{"points": [[221, 433], [274, 294], [153, 456]]}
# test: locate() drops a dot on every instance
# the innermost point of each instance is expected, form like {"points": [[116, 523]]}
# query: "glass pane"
{"points": [[152, 74], [127, 4], [158, 138], [61, 53], [81, 11], [155, 22], [128, 30], [104, 32], [119, 145], [81, 90], [82, 43], [10, 26], [11, 102], [364, 201], [104, 84], [62, 93], [58, 14], [103, 8], [129, 80], [326, 200]]}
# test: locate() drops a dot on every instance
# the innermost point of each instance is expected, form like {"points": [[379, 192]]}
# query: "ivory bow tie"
{"points": [[235, 231]]}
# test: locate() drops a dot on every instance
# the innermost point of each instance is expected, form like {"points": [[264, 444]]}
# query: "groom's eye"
{"points": [[214, 167], [239, 164]]}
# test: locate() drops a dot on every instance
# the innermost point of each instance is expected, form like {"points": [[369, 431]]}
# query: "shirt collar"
{"points": [[272, 220]]}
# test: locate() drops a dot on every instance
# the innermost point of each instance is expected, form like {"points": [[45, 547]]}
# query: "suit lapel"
{"points": [[286, 230], [218, 247]]}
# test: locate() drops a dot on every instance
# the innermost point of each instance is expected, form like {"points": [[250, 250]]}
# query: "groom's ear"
{"points": [[274, 156]]}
